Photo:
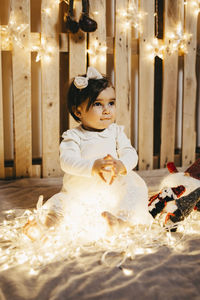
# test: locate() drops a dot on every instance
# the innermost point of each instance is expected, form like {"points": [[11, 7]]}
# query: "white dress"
{"points": [[84, 197]]}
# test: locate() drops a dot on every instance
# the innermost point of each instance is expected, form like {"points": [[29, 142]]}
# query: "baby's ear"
{"points": [[76, 111]]}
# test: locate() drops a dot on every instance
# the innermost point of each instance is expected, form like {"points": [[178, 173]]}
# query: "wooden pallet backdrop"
{"points": [[130, 49]]}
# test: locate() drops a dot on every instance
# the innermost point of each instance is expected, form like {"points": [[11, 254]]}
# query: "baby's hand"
{"points": [[118, 167], [102, 165], [110, 165]]}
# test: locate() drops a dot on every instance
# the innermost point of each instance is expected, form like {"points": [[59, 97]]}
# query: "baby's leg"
{"points": [[51, 217], [54, 210]]}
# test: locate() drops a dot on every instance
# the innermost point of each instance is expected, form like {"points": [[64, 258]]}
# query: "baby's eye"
{"points": [[112, 103], [97, 104]]}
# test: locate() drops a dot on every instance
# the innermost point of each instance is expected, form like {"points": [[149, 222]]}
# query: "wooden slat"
{"points": [[190, 86], [2, 169], [36, 171], [123, 69], [97, 39], [134, 83], [21, 64], [7, 105], [77, 53], [50, 92], [146, 89], [9, 172], [170, 74], [35, 38], [63, 37]]}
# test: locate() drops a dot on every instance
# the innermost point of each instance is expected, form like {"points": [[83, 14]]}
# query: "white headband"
{"points": [[82, 82]]}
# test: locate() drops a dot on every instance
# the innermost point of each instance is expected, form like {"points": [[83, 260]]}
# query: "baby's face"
{"points": [[101, 113]]}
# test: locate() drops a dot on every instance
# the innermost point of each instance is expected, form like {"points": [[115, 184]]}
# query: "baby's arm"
{"points": [[126, 153], [72, 162], [70, 157]]}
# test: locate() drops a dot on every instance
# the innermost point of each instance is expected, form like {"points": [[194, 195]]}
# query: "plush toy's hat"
{"points": [[171, 167], [185, 205], [194, 169]]}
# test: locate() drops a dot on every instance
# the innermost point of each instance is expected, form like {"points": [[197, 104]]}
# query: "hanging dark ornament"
{"points": [[85, 22], [71, 24]]}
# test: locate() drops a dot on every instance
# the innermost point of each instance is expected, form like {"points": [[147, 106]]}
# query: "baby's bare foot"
{"points": [[52, 219], [115, 224], [32, 230]]}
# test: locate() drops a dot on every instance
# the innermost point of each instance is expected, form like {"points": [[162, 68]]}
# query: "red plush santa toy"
{"points": [[179, 195]]}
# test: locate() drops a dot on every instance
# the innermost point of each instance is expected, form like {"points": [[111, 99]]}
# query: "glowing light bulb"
{"points": [[31, 218], [194, 3], [151, 56], [155, 41], [124, 13], [140, 15], [22, 258], [127, 272], [139, 251], [49, 49], [96, 44], [102, 58], [130, 7], [89, 51], [12, 20], [127, 25], [33, 272], [42, 41], [149, 47], [104, 48], [47, 11], [5, 267], [37, 58], [93, 60], [171, 35], [179, 29]]}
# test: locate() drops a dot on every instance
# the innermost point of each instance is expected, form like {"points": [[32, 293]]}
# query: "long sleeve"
{"points": [[70, 156], [126, 153]]}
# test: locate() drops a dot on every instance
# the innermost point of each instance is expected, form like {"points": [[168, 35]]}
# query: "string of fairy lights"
{"points": [[58, 244], [18, 34]]}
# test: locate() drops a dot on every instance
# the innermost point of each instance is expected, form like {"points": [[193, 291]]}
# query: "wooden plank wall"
{"points": [[77, 54], [170, 75], [2, 169], [21, 68], [146, 89], [123, 70], [126, 45], [50, 89], [190, 87]]}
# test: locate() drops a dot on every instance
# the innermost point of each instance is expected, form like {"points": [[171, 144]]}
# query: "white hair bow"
{"points": [[82, 82]]}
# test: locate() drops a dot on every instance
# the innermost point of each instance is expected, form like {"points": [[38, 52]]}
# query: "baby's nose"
{"points": [[106, 109]]}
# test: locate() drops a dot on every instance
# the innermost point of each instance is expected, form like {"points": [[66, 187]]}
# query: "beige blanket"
{"points": [[163, 274]]}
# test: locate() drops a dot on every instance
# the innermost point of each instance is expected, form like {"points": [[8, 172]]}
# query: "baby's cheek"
{"points": [[97, 109]]}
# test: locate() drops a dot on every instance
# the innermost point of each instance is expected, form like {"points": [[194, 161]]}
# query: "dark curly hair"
{"points": [[77, 96]]}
